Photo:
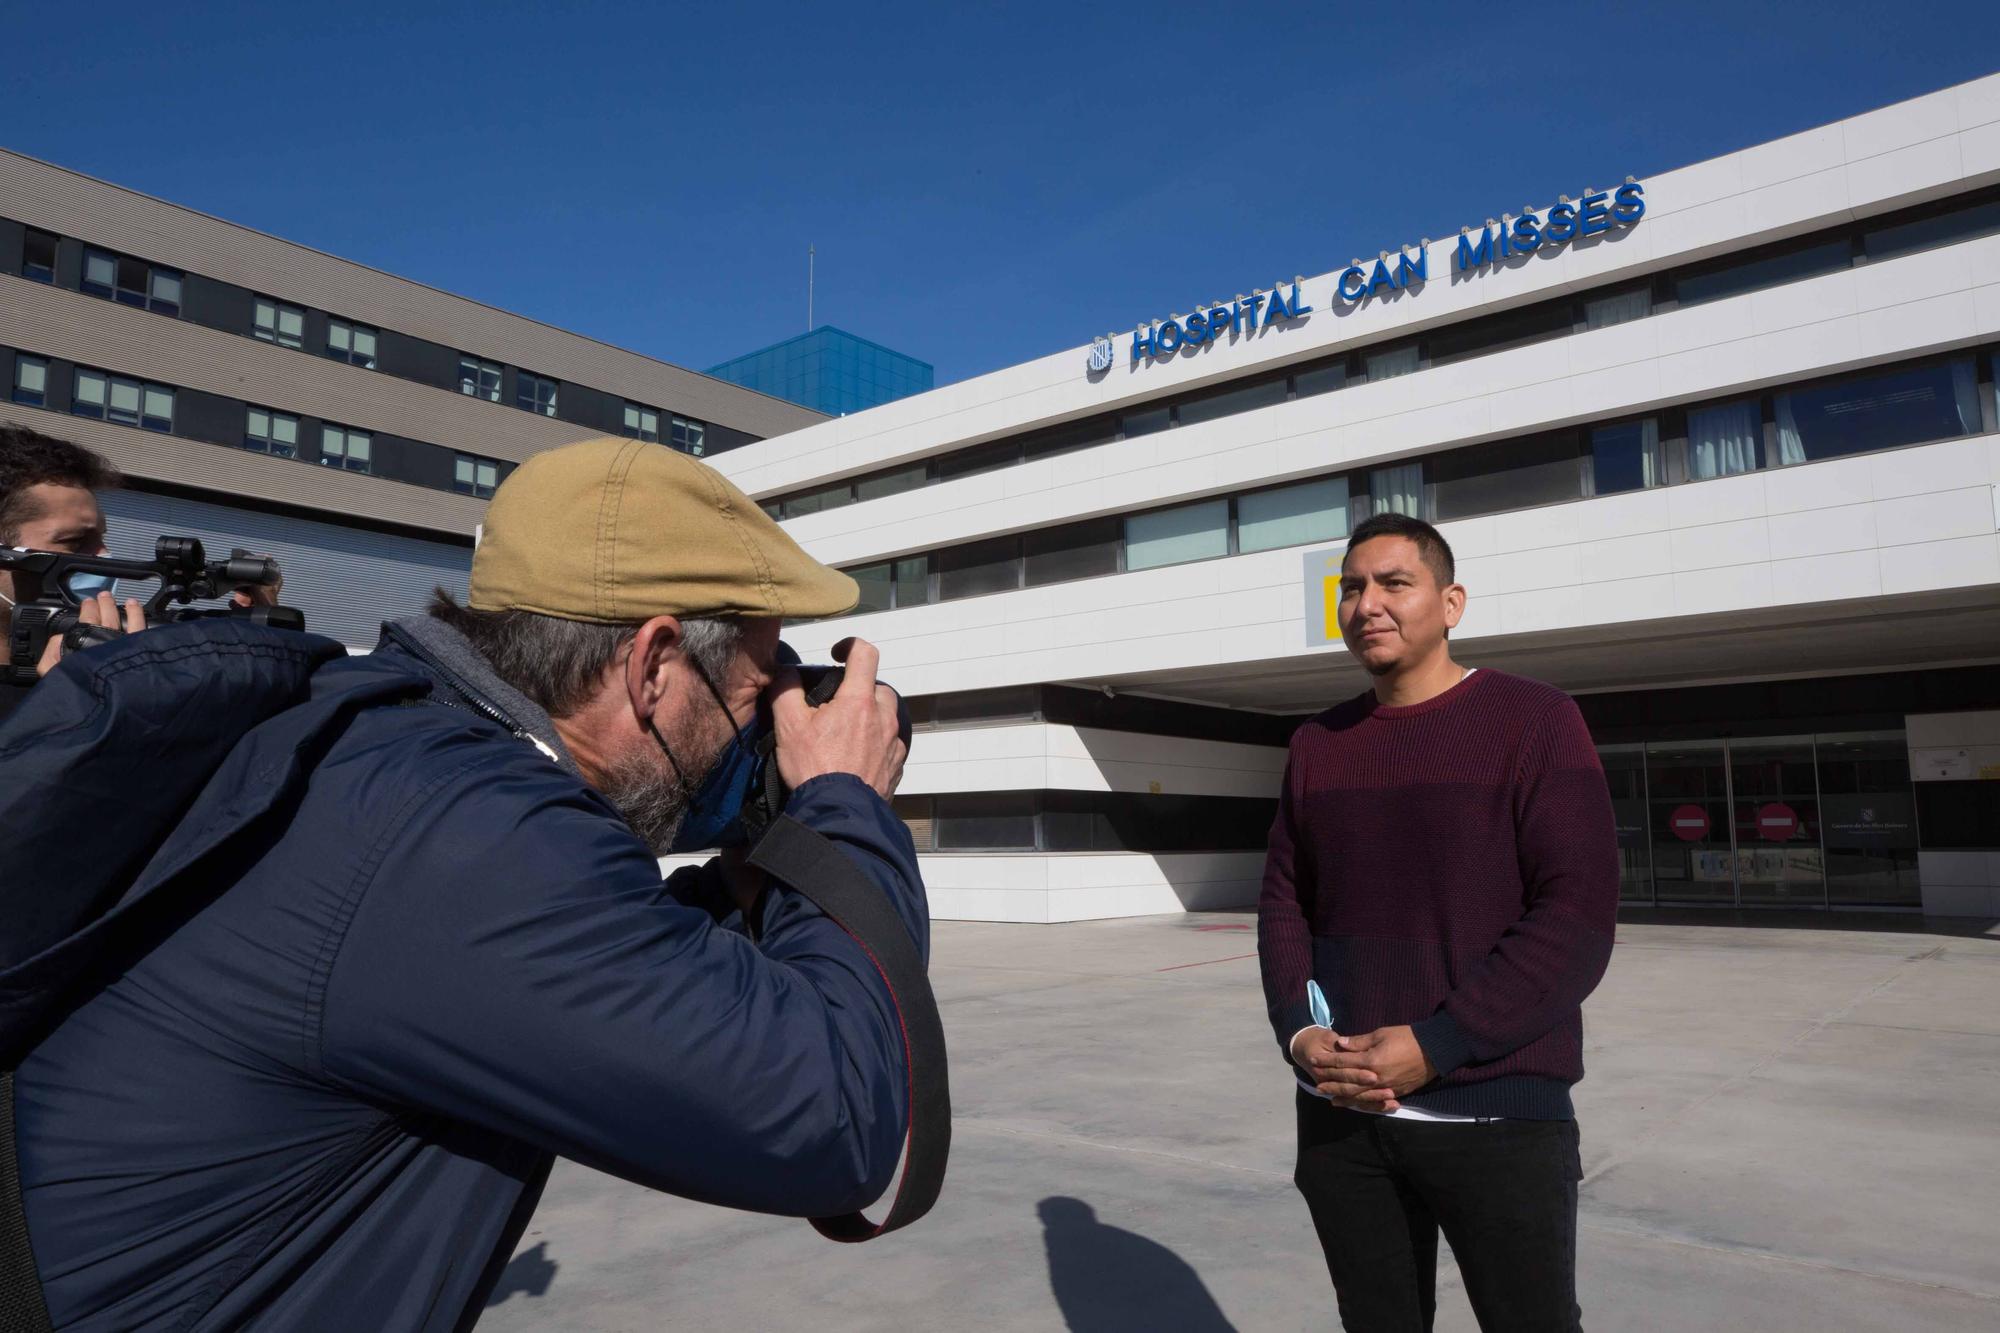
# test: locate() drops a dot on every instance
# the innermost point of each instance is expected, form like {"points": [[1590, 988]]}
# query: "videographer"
{"points": [[394, 934], [48, 502]]}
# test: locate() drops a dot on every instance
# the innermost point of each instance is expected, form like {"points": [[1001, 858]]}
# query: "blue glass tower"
{"points": [[829, 369]]}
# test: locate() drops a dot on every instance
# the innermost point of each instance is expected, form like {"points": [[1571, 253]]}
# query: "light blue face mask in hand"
{"points": [[1316, 999]]}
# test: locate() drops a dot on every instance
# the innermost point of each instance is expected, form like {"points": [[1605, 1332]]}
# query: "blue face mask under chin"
{"points": [[714, 813], [715, 809]]}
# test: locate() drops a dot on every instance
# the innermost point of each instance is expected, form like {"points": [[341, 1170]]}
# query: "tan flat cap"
{"points": [[615, 531]]}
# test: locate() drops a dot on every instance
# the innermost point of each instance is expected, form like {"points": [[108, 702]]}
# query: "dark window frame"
{"points": [[350, 355], [30, 397], [278, 311], [528, 387]]}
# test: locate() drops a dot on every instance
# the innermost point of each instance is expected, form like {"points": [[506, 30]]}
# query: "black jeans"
{"points": [[1504, 1194]]}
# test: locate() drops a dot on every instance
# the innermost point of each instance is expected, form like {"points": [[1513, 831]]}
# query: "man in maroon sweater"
{"points": [[1444, 867]]}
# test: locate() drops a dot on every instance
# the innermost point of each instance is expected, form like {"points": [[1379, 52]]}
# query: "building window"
{"points": [[1397, 490], [837, 496], [343, 448], [1390, 362], [38, 257], [131, 282], [1292, 515], [1752, 274], [892, 584], [689, 437], [1320, 379], [479, 379], [1228, 402], [352, 343], [1505, 475], [535, 393], [1725, 439], [1073, 551], [1145, 422], [1878, 410], [126, 402], [1625, 457], [1601, 312], [279, 323], [475, 476], [978, 568], [884, 484], [642, 423], [1946, 228], [1174, 536], [268, 432], [995, 821], [31, 381]]}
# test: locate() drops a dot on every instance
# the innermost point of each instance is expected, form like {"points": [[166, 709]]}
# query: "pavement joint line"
{"points": [[1790, 1260], [1210, 1163], [1771, 1057], [1904, 1027], [1233, 958]]}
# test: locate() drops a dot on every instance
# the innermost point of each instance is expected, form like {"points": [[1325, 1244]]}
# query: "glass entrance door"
{"points": [[1870, 818], [1687, 787], [1774, 795], [1625, 773]]}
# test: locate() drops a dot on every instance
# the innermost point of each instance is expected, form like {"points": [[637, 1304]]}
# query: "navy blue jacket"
{"points": [[353, 976]]}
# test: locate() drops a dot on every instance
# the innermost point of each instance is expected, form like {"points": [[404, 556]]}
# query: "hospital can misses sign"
{"points": [[1596, 213]]}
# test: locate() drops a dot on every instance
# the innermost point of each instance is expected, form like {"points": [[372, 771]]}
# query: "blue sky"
{"points": [[985, 184]]}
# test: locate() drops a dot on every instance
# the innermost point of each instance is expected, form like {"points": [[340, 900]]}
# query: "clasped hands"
{"points": [[1370, 1072]]}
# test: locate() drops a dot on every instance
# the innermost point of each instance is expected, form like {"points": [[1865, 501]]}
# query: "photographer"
{"points": [[48, 502], [394, 934]]}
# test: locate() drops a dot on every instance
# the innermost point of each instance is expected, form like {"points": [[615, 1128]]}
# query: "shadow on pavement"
{"points": [[528, 1273], [1111, 1281]]}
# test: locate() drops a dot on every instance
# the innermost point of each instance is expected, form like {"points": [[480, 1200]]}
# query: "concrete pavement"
{"points": [[1784, 1127]]}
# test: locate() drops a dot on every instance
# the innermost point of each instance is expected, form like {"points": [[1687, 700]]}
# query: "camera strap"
{"points": [[810, 864], [22, 1309]]}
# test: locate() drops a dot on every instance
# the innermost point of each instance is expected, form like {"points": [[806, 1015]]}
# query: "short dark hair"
{"points": [[1432, 548], [30, 458]]}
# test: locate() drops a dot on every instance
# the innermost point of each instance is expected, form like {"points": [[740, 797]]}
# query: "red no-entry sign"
{"points": [[1777, 822], [1689, 823]]}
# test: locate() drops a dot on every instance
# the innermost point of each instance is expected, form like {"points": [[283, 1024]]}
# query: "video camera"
{"points": [[185, 572]]}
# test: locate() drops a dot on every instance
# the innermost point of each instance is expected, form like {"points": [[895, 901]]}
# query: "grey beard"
{"points": [[650, 796]]}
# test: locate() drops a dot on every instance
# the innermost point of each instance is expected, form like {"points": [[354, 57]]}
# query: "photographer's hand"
{"points": [[101, 610], [853, 732], [258, 594]]}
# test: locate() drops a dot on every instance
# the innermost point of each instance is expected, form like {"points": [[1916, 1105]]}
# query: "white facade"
{"points": [[1873, 562]]}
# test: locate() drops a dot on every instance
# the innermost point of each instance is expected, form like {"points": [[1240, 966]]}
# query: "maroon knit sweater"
{"points": [[1451, 865]]}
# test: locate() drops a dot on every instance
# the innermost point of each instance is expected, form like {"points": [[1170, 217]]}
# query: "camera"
{"points": [[768, 792], [49, 609]]}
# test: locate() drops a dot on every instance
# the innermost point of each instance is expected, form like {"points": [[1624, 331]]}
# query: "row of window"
{"points": [[1085, 821], [1889, 237], [147, 286], [1917, 402], [129, 402]]}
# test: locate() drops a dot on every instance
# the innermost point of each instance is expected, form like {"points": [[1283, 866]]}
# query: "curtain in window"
{"points": [[1604, 311], [1389, 364], [1791, 445], [1725, 439], [1965, 388], [1397, 490]]}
